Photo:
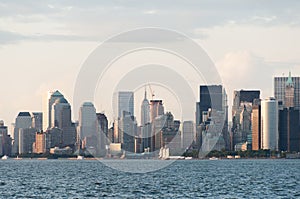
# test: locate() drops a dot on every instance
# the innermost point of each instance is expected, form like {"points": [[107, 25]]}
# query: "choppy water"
{"points": [[182, 179]]}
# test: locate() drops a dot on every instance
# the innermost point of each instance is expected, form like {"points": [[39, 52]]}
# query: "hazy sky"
{"points": [[44, 43]]}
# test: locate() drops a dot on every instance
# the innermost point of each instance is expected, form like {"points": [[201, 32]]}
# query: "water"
{"points": [[182, 179]]}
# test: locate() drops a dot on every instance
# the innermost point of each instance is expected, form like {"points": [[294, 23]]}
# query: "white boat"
{"points": [[188, 158], [5, 157], [80, 157], [213, 158], [164, 153]]}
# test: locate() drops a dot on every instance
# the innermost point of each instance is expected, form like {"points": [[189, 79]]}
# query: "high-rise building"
{"points": [[102, 128], [5, 140], [289, 130], [37, 121], [87, 120], [40, 144], [61, 118], [125, 102], [156, 109], [48, 112], [127, 131], [243, 102], [145, 111], [54, 137], [269, 117], [188, 134], [243, 96], [284, 88], [23, 121], [156, 113], [26, 140], [256, 125], [211, 97], [87, 128]]}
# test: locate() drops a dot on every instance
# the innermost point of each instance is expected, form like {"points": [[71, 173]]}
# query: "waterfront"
{"points": [[195, 178]]}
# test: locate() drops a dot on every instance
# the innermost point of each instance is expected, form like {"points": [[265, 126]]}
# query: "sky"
{"points": [[43, 44]]}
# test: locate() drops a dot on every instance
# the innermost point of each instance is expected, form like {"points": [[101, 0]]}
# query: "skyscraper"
{"points": [[87, 120], [289, 93], [188, 134], [127, 131], [157, 120], [243, 102], [26, 140], [156, 109], [213, 99], [211, 96], [145, 111], [23, 121], [289, 130], [37, 121], [102, 129], [269, 117], [61, 118], [5, 140], [284, 97], [256, 125], [47, 115], [125, 102], [87, 128]]}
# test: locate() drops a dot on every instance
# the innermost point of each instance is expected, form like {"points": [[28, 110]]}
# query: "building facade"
{"points": [[269, 118]]}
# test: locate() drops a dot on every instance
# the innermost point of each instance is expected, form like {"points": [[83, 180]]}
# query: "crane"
{"points": [[151, 91]]}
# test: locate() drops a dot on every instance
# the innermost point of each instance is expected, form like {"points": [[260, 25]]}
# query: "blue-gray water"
{"points": [[182, 179]]}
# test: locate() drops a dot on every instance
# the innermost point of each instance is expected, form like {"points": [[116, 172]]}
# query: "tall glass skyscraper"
{"points": [[280, 85], [125, 102], [47, 115], [269, 118]]}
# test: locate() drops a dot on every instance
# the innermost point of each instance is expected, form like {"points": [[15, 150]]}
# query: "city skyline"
{"points": [[52, 96]]}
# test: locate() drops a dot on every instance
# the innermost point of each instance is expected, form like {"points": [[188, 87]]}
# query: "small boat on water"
{"points": [[17, 158], [80, 157], [213, 158], [5, 157]]}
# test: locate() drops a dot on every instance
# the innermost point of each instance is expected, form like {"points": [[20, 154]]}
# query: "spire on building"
{"points": [[289, 82]]}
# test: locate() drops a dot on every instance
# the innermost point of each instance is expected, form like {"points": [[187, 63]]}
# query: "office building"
{"points": [[242, 108], [269, 117], [211, 97], [188, 134], [289, 130], [127, 131], [286, 88], [37, 121], [26, 140], [40, 145], [102, 129], [145, 111], [156, 109], [256, 125], [125, 103], [5, 140], [23, 121], [61, 118], [87, 121], [48, 112]]}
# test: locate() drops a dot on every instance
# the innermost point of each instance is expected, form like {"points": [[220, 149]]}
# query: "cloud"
{"points": [[245, 70], [150, 12]]}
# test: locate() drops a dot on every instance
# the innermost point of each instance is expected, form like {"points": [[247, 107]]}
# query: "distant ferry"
{"points": [[213, 158], [80, 157], [5, 157]]}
